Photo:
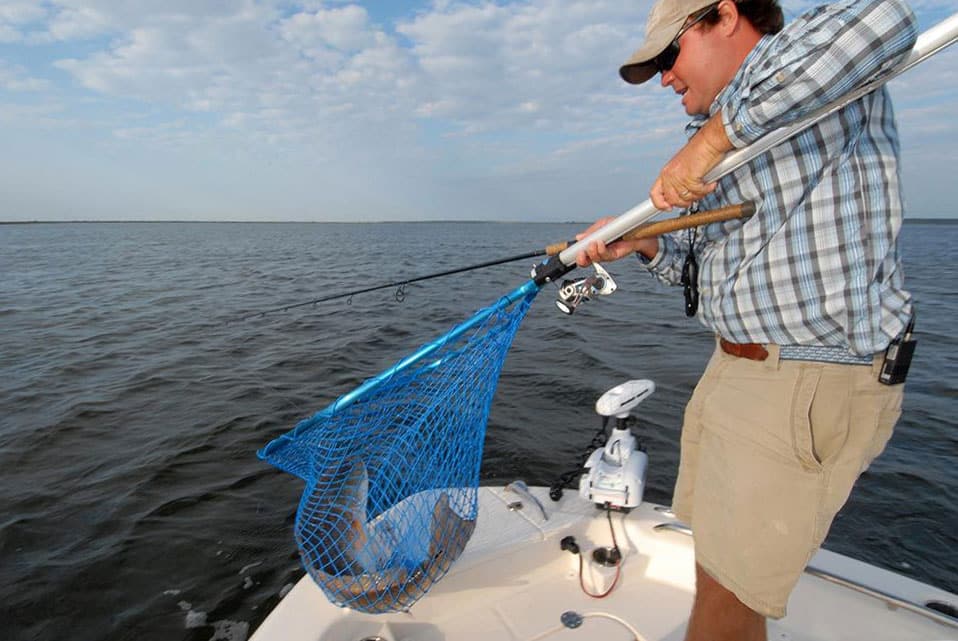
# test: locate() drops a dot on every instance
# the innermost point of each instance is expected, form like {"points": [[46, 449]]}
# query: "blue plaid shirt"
{"points": [[819, 262]]}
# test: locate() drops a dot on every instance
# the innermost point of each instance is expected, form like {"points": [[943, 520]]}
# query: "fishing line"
{"points": [[644, 231], [400, 285]]}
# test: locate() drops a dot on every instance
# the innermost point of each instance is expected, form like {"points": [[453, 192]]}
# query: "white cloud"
{"points": [[484, 68], [345, 29], [21, 12], [452, 88], [175, 134], [48, 116], [16, 78], [76, 24], [16, 16], [249, 63], [9, 34]]}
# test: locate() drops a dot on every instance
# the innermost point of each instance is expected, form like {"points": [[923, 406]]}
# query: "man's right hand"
{"points": [[600, 252], [680, 182]]}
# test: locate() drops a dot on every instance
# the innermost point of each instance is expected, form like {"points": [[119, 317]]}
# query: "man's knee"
{"points": [[718, 614], [707, 587]]}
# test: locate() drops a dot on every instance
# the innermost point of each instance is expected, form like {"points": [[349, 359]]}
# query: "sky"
{"points": [[311, 110]]}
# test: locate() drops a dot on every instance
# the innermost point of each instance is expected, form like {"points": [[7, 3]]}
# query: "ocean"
{"points": [[132, 403]]}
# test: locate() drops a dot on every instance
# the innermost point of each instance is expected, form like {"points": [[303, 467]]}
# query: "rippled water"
{"points": [[130, 411]]}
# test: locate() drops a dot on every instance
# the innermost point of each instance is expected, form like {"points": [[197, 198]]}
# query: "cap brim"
{"points": [[637, 73]]}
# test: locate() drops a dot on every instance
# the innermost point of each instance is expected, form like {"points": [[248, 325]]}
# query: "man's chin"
{"points": [[691, 107]]}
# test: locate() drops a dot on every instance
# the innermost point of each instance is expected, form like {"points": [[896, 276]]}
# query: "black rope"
{"points": [[565, 479]]}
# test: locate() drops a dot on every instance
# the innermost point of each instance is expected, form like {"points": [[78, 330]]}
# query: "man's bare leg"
{"points": [[718, 615]]}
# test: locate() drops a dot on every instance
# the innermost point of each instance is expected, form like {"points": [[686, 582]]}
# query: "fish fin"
{"points": [[448, 537]]}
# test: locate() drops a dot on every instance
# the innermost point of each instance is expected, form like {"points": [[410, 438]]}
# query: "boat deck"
{"points": [[514, 583]]}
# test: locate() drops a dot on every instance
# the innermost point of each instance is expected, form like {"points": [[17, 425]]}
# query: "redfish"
{"points": [[350, 558]]}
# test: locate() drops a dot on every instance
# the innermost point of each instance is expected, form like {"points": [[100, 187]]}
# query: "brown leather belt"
{"points": [[751, 351]]}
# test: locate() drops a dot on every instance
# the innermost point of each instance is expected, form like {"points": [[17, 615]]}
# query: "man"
{"points": [[804, 297]]}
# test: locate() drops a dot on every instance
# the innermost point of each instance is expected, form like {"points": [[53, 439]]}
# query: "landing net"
{"points": [[392, 468]]}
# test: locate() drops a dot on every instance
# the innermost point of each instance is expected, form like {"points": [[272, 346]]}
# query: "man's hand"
{"points": [[599, 252], [680, 181]]}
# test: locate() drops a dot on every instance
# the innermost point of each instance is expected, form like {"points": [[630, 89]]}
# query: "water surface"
{"points": [[130, 411]]}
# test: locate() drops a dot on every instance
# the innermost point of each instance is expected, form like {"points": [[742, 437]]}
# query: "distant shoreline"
{"points": [[910, 221], [290, 222]]}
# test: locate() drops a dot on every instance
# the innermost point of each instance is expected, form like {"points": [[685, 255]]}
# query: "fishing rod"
{"points": [[648, 230]]}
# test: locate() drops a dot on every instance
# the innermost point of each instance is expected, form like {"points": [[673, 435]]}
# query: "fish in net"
{"points": [[392, 468]]}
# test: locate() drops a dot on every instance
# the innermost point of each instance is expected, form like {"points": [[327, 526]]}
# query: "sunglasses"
{"points": [[666, 60]]}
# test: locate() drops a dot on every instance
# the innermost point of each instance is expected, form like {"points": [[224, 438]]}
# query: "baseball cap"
{"points": [[664, 23]]}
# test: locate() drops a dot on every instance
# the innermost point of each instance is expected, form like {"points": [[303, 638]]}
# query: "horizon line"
{"points": [[915, 219]]}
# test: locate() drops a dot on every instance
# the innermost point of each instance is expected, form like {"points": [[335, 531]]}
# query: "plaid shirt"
{"points": [[819, 263]]}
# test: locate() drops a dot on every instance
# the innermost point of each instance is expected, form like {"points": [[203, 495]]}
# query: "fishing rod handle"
{"points": [[929, 43], [659, 227], [564, 262], [555, 248], [648, 230]]}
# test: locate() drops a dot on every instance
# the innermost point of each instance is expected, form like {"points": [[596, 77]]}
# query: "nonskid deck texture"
{"points": [[513, 582]]}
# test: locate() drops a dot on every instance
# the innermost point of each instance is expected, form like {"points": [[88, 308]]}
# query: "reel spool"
{"points": [[573, 293]]}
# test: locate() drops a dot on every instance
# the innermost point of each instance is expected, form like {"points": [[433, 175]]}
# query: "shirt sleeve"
{"points": [[667, 264], [816, 60]]}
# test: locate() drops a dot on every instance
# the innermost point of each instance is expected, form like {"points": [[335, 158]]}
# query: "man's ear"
{"points": [[728, 17]]}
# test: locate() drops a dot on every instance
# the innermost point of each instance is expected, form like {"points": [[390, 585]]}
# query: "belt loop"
{"points": [[772, 362]]}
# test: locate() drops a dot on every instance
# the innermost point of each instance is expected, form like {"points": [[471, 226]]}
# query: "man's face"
{"points": [[697, 72]]}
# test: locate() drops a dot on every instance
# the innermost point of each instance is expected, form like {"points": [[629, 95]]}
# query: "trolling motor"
{"points": [[573, 293], [615, 474]]}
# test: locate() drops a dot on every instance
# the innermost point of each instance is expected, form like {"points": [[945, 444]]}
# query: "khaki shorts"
{"points": [[770, 451]]}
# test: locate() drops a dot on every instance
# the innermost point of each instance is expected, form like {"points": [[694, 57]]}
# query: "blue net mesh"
{"points": [[392, 468]]}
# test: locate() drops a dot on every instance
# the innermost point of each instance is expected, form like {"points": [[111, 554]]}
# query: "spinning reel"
{"points": [[573, 293]]}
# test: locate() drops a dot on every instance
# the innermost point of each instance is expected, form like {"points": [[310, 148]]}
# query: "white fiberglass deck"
{"points": [[513, 582]]}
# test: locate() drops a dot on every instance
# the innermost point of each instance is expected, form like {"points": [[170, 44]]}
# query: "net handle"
{"points": [[526, 289], [929, 43], [477, 319]]}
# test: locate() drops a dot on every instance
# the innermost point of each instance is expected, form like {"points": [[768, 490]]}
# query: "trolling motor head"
{"points": [[621, 399], [573, 293], [615, 475]]}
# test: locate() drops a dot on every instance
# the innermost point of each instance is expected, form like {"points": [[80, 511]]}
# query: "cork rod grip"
{"points": [[648, 230], [744, 210]]}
